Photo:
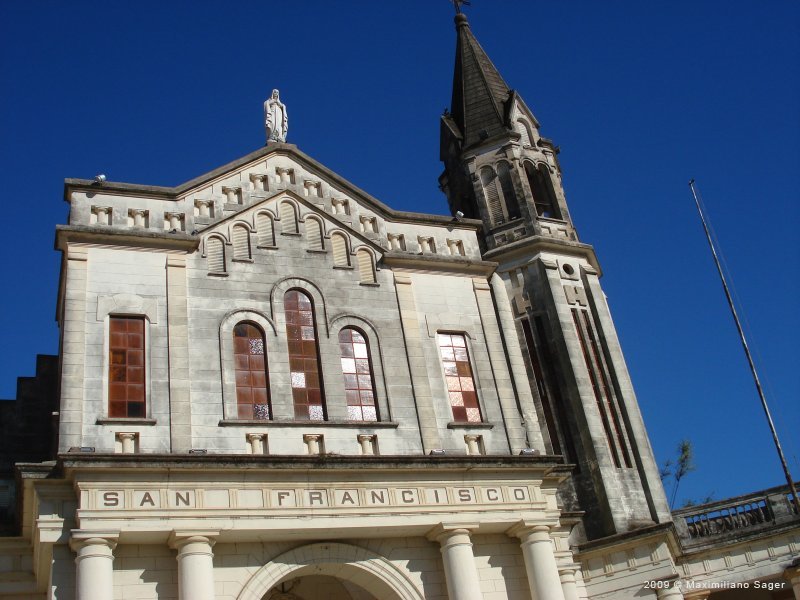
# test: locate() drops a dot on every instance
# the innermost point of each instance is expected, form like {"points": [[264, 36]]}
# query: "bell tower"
{"points": [[498, 168]]}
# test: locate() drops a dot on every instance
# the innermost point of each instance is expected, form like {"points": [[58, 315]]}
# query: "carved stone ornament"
{"points": [[276, 118]]}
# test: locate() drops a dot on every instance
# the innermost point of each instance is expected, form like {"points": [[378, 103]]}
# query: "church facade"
{"points": [[274, 386]]}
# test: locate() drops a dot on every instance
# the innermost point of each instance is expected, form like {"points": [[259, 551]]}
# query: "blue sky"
{"points": [[640, 96]]}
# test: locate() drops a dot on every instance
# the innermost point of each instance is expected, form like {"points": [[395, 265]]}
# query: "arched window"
{"points": [[489, 181], [288, 218], [252, 383], [525, 133], [341, 256], [215, 255], [507, 186], [241, 242], [266, 232], [458, 376], [359, 383], [314, 233], [544, 197], [126, 369], [366, 270], [306, 378]]}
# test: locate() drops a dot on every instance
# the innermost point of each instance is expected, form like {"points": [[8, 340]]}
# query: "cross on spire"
{"points": [[458, 3]]}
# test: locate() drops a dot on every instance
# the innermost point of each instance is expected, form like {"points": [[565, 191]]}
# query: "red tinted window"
{"points": [[358, 381], [301, 333], [458, 375], [126, 397], [252, 385]]}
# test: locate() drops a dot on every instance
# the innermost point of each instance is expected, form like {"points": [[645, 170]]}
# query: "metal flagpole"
{"points": [[764, 405]]}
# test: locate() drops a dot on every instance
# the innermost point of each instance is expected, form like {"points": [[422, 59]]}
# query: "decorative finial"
{"points": [[276, 118], [458, 3]]}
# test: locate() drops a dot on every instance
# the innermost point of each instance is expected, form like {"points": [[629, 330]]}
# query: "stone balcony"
{"points": [[735, 518]]}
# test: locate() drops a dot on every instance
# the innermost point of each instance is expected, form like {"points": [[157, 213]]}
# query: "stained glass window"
{"points": [[458, 376], [252, 382], [306, 379], [126, 376], [359, 383]]}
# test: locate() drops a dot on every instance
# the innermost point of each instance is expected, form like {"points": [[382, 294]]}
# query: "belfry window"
{"points": [[507, 187], [126, 368], [359, 383], [544, 197], [304, 363], [458, 376], [252, 382]]}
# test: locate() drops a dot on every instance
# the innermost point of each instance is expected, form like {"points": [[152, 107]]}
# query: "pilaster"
{"points": [[180, 407], [516, 363], [497, 358], [417, 363], [73, 348]]}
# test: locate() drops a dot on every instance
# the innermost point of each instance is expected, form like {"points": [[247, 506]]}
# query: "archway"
{"points": [[359, 567]]}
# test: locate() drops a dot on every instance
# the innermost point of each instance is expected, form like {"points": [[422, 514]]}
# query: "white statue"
{"points": [[277, 120]]}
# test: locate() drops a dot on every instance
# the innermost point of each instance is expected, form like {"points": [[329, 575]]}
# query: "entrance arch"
{"points": [[365, 568]]}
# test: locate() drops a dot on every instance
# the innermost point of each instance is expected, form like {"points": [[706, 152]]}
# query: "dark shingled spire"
{"points": [[479, 92]]}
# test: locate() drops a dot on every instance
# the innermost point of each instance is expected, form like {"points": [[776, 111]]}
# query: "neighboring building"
{"points": [[272, 385]]}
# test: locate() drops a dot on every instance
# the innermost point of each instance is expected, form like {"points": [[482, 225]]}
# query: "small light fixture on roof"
{"points": [[100, 178]]}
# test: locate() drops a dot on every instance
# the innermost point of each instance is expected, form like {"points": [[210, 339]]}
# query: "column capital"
{"points": [[527, 531], [80, 539], [255, 436], [444, 531], [180, 538]]}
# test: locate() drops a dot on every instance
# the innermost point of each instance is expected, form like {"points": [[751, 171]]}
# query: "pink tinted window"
{"points": [[359, 383], [306, 380], [458, 376]]}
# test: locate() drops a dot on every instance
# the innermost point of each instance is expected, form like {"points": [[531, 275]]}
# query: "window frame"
{"points": [[320, 373], [147, 365], [472, 374], [372, 374], [230, 407], [270, 410]]}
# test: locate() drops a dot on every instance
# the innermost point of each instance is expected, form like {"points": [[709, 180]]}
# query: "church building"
{"points": [[273, 386]]}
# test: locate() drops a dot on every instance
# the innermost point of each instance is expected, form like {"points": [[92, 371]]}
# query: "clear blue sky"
{"points": [[641, 96]]}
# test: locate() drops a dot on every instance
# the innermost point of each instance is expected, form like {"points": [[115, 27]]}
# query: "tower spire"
{"points": [[478, 106]]}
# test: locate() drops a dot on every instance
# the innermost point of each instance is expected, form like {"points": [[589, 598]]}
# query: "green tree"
{"points": [[683, 465]]}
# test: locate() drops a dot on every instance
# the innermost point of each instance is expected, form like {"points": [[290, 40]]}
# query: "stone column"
{"points": [[460, 573], [94, 572], [670, 593], [568, 585], [195, 564], [540, 561], [792, 575]]}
